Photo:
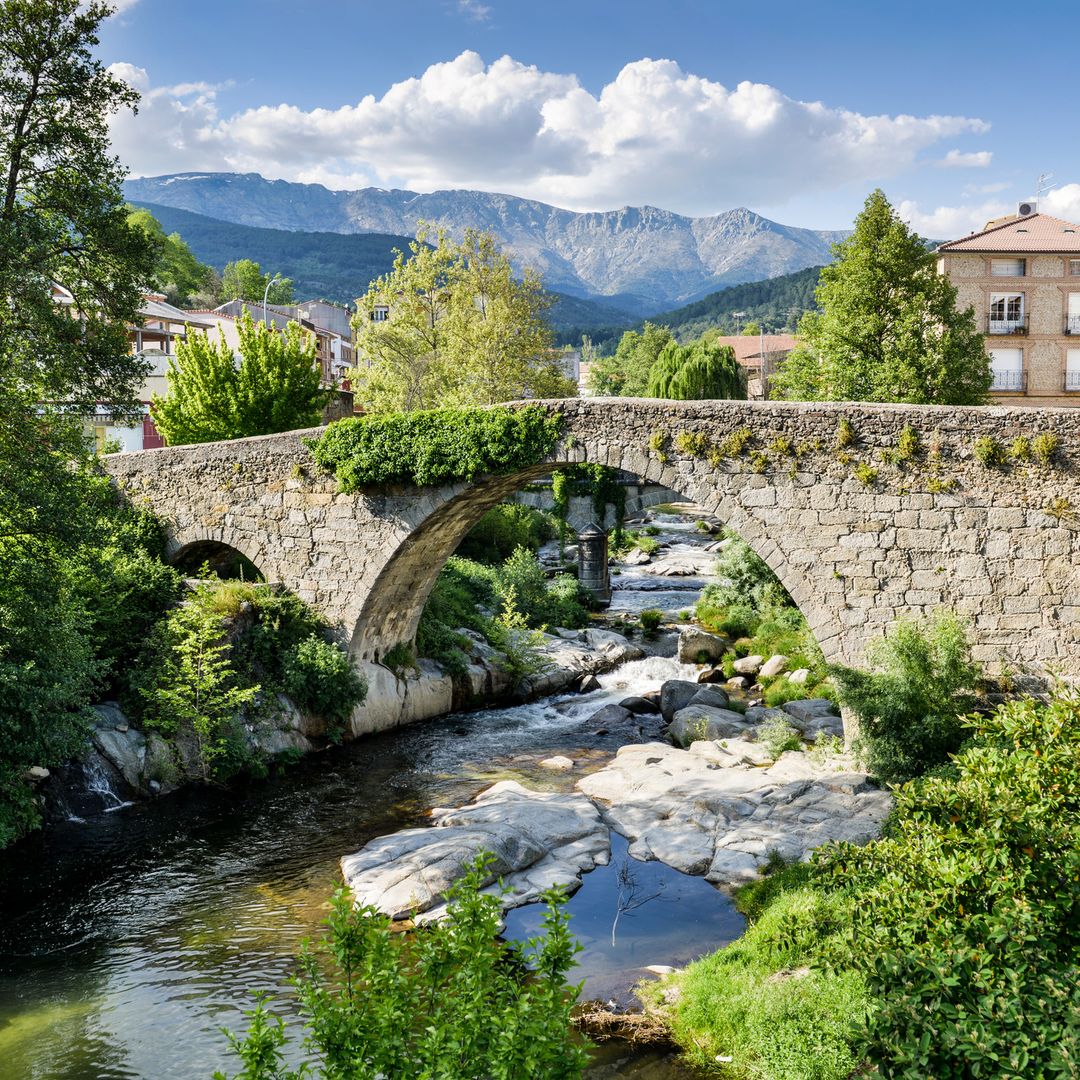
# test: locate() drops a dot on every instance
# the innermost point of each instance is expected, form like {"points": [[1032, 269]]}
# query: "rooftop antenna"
{"points": [[1043, 185]]}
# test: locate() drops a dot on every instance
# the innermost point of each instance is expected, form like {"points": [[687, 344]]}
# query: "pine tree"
{"points": [[889, 328]]}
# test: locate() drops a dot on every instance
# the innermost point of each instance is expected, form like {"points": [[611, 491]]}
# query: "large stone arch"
{"points": [[858, 533]]}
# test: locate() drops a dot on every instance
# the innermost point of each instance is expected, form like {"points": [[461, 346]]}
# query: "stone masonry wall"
{"points": [[858, 538]]}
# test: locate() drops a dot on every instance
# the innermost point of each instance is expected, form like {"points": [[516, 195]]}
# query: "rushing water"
{"points": [[127, 941]]}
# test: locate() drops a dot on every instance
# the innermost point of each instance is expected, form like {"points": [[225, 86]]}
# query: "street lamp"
{"points": [[266, 293]]}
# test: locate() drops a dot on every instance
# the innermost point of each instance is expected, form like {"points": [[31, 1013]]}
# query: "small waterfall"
{"points": [[100, 783]]}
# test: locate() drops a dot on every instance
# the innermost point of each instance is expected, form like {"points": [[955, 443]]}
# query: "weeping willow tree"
{"points": [[693, 372]]}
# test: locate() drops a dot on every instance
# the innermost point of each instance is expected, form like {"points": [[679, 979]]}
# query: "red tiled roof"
{"points": [[748, 348], [1039, 232]]}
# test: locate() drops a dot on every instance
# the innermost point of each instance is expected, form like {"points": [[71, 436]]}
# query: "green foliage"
{"points": [[745, 579], [650, 620], [782, 691], [889, 328], [1043, 448], [737, 443], [907, 445], [988, 452], [461, 330], [245, 280], [436, 447], [521, 647], [909, 707], [967, 926], [503, 529], [694, 372], [195, 684], [865, 474], [400, 658], [449, 1000], [692, 443], [777, 735], [626, 373], [1020, 448], [777, 302], [276, 386], [772, 1003], [845, 432], [543, 602], [177, 273], [321, 678]]}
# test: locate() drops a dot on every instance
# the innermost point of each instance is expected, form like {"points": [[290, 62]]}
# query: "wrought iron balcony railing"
{"points": [[1006, 324], [1072, 381], [1009, 381], [1072, 325]]}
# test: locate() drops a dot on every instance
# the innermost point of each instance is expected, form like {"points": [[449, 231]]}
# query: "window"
{"points": [[380, 314], [1008, 267], [1007, 368], [1074, 267], [1072, 369], [1006, 313], [1072, 314]]}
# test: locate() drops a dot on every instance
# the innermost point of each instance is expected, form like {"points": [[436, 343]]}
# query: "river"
{"points": [[128, 941]]}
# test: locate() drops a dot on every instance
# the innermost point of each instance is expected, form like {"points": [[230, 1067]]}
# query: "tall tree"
{"points": [[177, 273], [275, 386], [71, 273], [626, 373], [451, 325], [696, 372], [244, 280], [889, 328]]}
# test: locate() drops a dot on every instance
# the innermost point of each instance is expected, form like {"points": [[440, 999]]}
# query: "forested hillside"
{"points": [[776, 304]]}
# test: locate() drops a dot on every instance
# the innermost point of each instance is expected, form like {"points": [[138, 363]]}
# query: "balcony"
{"points": [[1007, 325], [1072, 382], [1009, 382], [1072, 325]]}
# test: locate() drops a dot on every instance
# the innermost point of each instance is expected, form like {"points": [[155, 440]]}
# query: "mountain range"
{"points": [[639, 260]]}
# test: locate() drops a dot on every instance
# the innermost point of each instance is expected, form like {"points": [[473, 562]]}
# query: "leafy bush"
{"points": [[320, 677], [745, 579], [448, 1000], [400, 658], [502, 530], [1043, 448], [967, 925], [542, 602], [777, 735], [436, 446], [909, 709], [782, 691], [521, 647], [651, 619], [988, 452]]}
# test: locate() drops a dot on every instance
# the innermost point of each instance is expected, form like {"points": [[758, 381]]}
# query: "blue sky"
{"points": [[796, 110]]}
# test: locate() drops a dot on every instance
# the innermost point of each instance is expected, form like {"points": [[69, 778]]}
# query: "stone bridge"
{"points": [[866, 513]]}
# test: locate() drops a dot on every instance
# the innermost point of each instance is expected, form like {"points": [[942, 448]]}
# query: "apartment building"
{"points": [[1021, 274]]}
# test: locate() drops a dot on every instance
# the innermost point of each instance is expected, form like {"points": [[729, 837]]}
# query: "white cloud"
{"points": [[655, 134], [951, 222], [977, 159], [1063, 202], [987, 189], [474, 10]]}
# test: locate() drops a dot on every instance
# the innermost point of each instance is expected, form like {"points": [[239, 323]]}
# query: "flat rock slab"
{"points": [[704, 722], [713, 810], [538, 839]]}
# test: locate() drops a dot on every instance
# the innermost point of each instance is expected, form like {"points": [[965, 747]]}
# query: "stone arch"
{"points": [[219, 548], [395, 600]]}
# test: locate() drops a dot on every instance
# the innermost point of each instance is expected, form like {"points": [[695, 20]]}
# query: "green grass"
{"points": [[770, 1001]]}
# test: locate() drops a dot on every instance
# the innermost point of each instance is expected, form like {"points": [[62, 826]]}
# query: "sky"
{"points": [[795, 110]]}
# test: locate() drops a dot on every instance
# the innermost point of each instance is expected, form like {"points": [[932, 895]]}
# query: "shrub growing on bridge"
{"points": [[436, 446]]}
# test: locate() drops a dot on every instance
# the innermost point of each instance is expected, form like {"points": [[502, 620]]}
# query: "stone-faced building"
{"points": [[1021, 274]]}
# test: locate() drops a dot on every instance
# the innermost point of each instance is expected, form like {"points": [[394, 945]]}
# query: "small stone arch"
{"points": [[224, 559]]}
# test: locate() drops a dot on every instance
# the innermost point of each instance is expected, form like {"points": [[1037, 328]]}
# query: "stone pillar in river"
{"points": [[593, 562]]}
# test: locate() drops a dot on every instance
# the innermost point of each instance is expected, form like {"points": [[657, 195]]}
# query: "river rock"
{"points": [[799, 676], [636, 557], [676, 694], [36, 773], [773, 666], [712, 809], [738, 682], [611, 716], [712, 675], [538, 839], [748, 665], [810, 709], [588, 684], [712, 696], [641, 706], [702, 722], [121, 745], [760, 714], [697, 646], [558, 763]]}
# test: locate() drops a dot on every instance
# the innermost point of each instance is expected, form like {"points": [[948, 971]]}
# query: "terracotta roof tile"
{"points": [[1039, 232]]}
